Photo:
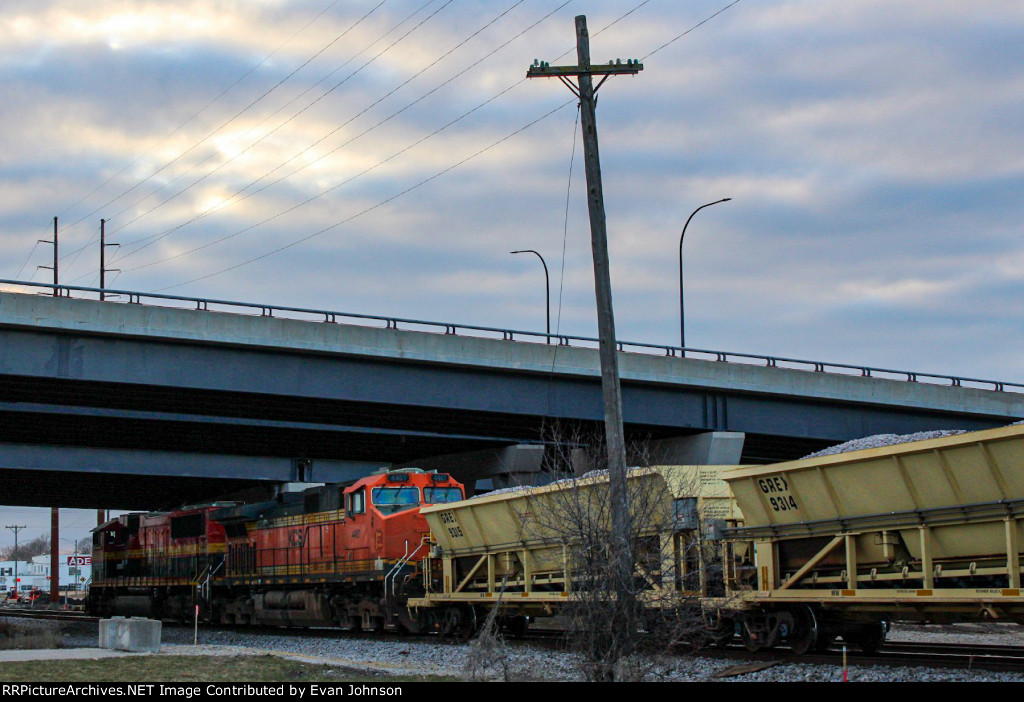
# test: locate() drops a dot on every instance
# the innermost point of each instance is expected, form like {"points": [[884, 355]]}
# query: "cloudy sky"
{"points": [[385, 156]]}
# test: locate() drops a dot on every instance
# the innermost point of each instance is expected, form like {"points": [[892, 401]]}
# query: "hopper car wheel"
{"points": [[516, 626], [723, 634], [470, 625], [751, 641], [825, 639], [805, 632], [459, 621], [868, 638], [452, 623]]}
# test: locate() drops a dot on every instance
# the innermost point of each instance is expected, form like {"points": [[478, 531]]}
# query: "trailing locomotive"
{"points": [[339, 555]]}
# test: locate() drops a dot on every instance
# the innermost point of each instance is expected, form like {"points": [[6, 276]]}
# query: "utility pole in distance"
{"points": [[584, 72], [56, 277], [103, 259], [16, 529]]}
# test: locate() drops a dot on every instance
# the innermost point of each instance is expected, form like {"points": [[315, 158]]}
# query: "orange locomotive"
{"points": [[338, 555]]}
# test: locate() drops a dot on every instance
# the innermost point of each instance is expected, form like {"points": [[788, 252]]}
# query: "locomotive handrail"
{"points": [[395, 566], [448, 328], [401, 563]]}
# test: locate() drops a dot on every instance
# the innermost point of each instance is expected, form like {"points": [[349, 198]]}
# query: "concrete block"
{"points": [[130, 634]]}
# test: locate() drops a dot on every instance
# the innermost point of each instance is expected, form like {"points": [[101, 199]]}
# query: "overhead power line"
{"points": [[209, 135], [238, 196], [196, 114], [292, 117], [411, 188], [378, 204]]}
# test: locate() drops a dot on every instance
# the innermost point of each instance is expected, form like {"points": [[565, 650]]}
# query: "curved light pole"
{"points": [[682, 327], [547, 288]]}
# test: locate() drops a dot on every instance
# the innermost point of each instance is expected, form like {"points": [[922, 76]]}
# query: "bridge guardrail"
{"points": [[332, 317]]}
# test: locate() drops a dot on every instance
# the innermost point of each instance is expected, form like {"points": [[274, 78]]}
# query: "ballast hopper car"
{"points": [[843, 544]]}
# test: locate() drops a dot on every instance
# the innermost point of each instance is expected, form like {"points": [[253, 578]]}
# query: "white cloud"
{"points": [[869, 148]]}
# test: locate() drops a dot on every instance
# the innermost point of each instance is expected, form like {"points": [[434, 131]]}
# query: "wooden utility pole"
{"points": [[584, 72], [17, 580]]}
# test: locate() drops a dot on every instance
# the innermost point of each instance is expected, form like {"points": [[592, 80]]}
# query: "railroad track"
{"points": [[50, 614], [990, 657], [951, 655], [922, 654]]}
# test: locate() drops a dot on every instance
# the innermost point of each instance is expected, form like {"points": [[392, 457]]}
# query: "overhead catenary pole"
{"points": [[611, 390]]}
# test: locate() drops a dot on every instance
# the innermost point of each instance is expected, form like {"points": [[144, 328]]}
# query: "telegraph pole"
{"points": [[16, 529], [584, 72]]}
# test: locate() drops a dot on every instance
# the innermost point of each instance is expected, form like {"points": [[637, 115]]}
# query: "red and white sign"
{"points": [[79, 560]]}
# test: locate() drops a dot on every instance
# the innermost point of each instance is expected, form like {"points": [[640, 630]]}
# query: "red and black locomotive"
{"points": [[343, 555]]}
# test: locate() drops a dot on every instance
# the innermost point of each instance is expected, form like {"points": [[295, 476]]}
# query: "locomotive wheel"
{"points": [[805, 632]]}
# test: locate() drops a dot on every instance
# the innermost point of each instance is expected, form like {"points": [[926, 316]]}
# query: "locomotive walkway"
{"points": [[233, 394]]}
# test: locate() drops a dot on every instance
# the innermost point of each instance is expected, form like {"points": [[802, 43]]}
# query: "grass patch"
{"points": [[24, 634], [164, 668]]}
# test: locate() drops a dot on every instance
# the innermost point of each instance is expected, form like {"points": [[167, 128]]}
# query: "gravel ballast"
{"points": [[532, 661]]}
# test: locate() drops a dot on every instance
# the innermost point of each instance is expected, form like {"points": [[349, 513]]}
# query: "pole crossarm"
{"points": [[543, 70]]}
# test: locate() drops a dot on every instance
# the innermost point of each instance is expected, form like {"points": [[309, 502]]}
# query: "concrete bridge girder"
{"points": [[243, 388]]}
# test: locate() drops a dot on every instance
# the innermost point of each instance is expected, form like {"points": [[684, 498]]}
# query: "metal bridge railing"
{"points": [[333, 317]]}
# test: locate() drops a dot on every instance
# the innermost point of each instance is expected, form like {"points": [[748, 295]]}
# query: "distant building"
{"points": [[75, 572], [7, 569]]}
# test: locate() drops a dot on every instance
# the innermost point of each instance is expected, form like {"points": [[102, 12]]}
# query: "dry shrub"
{"points": [[27, 634]]}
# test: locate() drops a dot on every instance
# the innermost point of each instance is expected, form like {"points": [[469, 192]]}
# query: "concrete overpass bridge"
{"points": [[180, 399]]}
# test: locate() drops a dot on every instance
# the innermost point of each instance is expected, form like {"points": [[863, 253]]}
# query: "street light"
{"points": [[682, 326], [547, 288]]}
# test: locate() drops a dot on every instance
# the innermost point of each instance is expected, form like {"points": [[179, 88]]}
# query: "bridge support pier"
{"points": [[713, 448], [507, 466]]}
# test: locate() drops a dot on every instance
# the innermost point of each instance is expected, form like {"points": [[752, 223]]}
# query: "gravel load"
{"points": [[563, 481], [879, 440]]}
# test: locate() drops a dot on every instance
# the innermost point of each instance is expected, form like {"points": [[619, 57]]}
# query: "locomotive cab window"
{"points": [[437, 495], [357, 501], [395, 499]]}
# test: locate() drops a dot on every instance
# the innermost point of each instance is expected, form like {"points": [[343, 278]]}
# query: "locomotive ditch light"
{"points": [[440, 478]]}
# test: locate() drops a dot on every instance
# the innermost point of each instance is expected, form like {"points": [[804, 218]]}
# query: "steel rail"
{"points": [[332, 316]]}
